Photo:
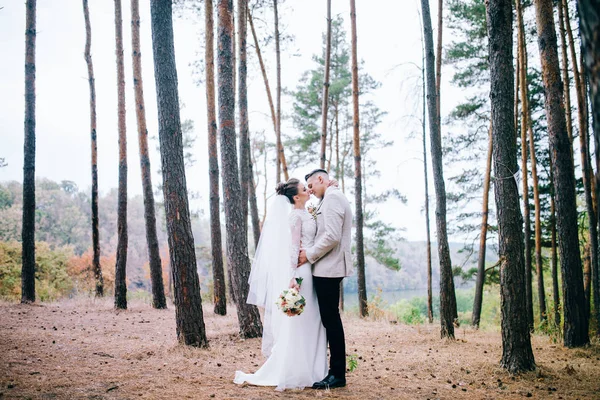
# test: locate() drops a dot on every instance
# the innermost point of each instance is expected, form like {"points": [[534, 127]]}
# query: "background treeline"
{"points": [[64, 253]]}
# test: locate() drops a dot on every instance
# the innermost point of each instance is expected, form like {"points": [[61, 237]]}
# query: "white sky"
{"points": [[388, 41]]}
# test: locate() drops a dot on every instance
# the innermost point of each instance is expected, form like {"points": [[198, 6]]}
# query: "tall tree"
{"points": [[517, 354], [219, 298], [238, 263], [280, 154], [426, 176], [325, 97], [253, 201], [575, 316], [554, 255], [448, 312], [242, 89], [28, 229], [586, 170], [188, 303], [589, 14], [526, 205], [95, 218], [158, 289], [438, 60], [358, 192], [478, 299], [269, 96], [121, 263], [522, 85]]}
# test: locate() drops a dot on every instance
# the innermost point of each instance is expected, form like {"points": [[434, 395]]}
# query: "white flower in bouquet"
{"points": [[290, 301]]}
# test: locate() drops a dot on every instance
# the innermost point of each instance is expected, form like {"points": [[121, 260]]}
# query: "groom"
{"points": [[331, 259]]}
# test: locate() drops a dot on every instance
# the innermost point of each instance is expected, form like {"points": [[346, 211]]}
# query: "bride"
{"points": [[295, 347]]}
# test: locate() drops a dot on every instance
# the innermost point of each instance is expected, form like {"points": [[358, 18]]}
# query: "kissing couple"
{"points": [[310, 252]]}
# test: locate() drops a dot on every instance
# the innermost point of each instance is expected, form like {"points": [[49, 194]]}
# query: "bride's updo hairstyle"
{"points": [[288, 189]]}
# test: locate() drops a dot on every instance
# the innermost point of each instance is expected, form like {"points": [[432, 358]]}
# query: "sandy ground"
{"points": [[84, 349]]}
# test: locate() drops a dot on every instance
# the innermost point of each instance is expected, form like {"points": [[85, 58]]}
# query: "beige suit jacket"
{"points": [[331, 254]]}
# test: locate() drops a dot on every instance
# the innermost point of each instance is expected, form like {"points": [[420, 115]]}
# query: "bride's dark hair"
{"points": [[288, 189]]}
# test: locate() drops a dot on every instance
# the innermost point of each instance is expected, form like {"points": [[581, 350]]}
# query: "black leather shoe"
{"points": [[330, 382]]}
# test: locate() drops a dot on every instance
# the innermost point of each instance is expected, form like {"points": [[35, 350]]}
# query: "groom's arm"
{"points": [[334, 220]]}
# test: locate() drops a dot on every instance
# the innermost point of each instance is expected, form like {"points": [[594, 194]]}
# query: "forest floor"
{"points": [[82, 348]]}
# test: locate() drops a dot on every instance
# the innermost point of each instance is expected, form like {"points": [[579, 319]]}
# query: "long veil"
{"points": [[271, 268]]}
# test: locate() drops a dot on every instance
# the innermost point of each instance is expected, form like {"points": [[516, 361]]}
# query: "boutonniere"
{"points": [[314, 211]]}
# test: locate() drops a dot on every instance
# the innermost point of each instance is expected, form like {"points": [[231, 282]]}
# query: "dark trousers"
{"points": [[328, 296]]}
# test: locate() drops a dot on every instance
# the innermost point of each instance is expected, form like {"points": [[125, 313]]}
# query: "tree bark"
{"points": [[158, 288], [478, 300], [586, 172], [438, 61], [28, 228], [280, 155], [426, 177], [448, 312], [526, 127], [526, 206], [517, 354], [360, 251], [554, 253], [565, 71], [575, 318], [325, 99], [589, 12], [238, 263], [92, 83], [121, 263], [244, 133], [253, 204], [188, 303], [219, 296], [269, 96]]}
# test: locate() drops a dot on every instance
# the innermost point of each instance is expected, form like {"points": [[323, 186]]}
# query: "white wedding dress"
{"points": [[298, 356]]}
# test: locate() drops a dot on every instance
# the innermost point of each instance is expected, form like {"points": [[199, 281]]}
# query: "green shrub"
{"points": [[408, 312], [51, 279]]}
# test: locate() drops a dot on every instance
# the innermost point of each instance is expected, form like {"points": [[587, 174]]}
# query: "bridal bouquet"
{"points": [[290, 301]]}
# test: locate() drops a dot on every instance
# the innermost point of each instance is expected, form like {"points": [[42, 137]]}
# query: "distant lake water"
{"points": [[351, 298]]}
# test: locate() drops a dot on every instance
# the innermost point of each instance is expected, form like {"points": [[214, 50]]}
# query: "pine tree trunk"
{"points": [[269, 96], [280, 162], [158, 289], [586, 172], [589, 11], [526, 207], [95, 230], [438, 61], [28, 229], [448, 312], [526, 127], [478, 300], [554, 254], [565, 70], [238, 263], [358, 192], [425, 172], [253, 205], [220, 298], [576, 320], [188, 303], [121, 263], [325, 99], [330, 149], [517, 354], [244, 133]]}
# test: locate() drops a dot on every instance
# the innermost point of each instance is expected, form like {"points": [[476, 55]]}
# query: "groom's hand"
{"points": [[302, 257]]}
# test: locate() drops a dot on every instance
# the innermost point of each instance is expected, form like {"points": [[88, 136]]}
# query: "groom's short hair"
{"points": [[315, 171]]}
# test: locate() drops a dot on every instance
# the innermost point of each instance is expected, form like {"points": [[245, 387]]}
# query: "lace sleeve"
{"points": [[296, 228]]}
